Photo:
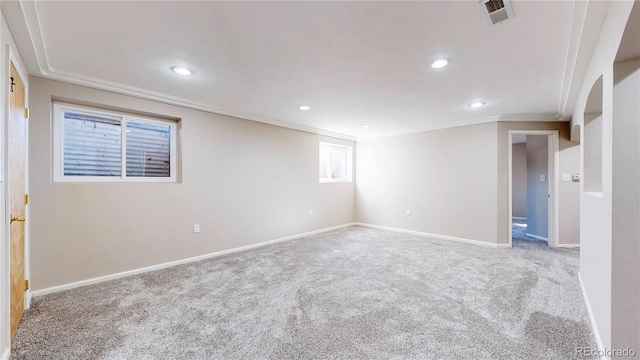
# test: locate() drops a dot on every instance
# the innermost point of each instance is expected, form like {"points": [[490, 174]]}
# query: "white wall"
{"points": [[625, 273], [244, 182], [519, 192], [595, 227], [537, 190], [454, 181], [446, 177], [596, 209], [592, 142]]}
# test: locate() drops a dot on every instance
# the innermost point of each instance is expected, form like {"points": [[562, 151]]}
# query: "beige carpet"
{"points": [[356, 293]]}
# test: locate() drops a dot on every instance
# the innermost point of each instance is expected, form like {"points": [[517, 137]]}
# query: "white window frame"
{"points": [[58, 146], [348, 163]]}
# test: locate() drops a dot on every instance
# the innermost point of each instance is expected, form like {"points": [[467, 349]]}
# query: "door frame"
{"points": [[553, 212], [12, 57]]}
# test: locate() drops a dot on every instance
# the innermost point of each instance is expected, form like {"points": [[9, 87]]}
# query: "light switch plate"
{"points": [[543, 177], [196, 228], [566, 177]]}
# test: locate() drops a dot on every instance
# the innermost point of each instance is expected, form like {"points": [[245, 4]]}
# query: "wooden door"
{"points": [[17, 195]]}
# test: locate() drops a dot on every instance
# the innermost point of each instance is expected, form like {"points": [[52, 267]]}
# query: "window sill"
{"points": [[103, 180], [335, 181]]}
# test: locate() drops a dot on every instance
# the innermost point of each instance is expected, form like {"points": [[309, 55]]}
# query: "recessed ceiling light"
{"points": [[365, 126], [440, 63], [476, 105], [181, 70], [304, 107]]}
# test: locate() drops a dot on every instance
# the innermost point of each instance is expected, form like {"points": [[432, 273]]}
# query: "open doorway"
{"points": [[533, 204], [530, 175]]}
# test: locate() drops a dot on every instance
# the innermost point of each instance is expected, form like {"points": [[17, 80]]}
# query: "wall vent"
{"points": [[496, 11]]}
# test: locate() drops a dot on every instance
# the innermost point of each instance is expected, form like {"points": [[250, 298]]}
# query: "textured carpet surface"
{"points": [[355, 293]]}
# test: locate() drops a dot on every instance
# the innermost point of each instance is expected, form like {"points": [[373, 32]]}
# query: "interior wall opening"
{"points": [[530, 189], [593, 140]]}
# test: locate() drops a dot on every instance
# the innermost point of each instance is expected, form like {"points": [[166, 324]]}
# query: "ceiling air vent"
{"points": [[496, 11]]}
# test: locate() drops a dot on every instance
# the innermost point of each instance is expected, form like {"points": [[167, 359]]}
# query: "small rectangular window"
{"points": [[335, 163], [90, 145], [148, 150]]}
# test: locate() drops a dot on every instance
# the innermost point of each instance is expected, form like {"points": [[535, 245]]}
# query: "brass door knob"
{"points": [[18, 218]]}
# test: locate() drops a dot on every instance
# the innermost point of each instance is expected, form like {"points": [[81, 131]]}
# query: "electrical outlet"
{"points": [[196, 228], [566, 177], [408, 212], [311, 212]]}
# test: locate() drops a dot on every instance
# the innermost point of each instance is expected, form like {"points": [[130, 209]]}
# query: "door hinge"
{"points": [[12, 83], [26, 199], [26, 113], [26, 285]]}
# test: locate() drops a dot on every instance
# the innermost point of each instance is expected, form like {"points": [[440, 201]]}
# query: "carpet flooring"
{"points": [[355, 293]]}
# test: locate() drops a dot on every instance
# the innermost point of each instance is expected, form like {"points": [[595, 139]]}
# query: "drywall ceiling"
{"points": [[353, 63]]}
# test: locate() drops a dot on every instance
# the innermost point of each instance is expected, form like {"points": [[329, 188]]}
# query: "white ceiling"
{"points": [[354, 63]]}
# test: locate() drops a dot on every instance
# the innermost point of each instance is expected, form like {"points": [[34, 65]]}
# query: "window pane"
{"points": [[338, 159], [324, 162], [92, 145], [148, 150], [335, 164]]}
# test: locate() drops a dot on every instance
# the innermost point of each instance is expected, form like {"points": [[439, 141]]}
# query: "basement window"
{"points": [[95, 145], [335, 163]]}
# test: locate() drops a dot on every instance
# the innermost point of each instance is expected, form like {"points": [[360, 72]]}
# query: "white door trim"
{"points": [[554, 182]]}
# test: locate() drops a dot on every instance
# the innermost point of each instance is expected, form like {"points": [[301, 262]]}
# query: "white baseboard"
{"points": [[123, 274], [519, 218], [546, 239], [435, 236], [592, 319], [5, 354], [537, 237]]}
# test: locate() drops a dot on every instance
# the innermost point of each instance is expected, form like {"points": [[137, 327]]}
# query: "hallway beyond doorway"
{"points": [[519, 232]]}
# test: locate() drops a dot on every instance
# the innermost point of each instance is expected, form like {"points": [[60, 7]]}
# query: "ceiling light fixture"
{"points": [[440, 63], [476, 105], [304, 107], [365, 126], [181, 70]]}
